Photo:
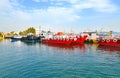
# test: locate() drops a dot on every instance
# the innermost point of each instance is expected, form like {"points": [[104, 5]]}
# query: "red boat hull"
{"points": [[65, 41], [80, 39], [109, 42], [56, 41]]}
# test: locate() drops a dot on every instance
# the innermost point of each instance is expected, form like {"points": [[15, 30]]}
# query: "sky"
{"points": [[60, 15]]}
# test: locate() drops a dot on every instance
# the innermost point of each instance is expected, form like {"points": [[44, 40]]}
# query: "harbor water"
{"points": [[36, 60]]}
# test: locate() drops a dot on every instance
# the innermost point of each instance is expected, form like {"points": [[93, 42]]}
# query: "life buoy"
{"points": [[114, 40], [108, 40], [103, 40], [75, 39]]}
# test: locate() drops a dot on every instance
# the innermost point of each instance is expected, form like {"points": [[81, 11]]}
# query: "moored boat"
{"points": [[16, 38], [29, 38], [79, 39], [32, 38], [92, 37], [1, 36], [57, 41], [65, 39], [109, 42]]}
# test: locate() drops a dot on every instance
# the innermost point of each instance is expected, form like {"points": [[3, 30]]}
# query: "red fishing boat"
{"points": [[65, 39], [79, 39], [56, 41], [110, 42]]}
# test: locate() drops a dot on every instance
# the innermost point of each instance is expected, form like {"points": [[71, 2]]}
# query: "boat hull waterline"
{"points": [[66, 41], [110, 42]]}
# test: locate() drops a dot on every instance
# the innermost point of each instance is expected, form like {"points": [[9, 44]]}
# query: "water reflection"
{"points": [[14, 40], [1, 40], [53, 60], [30, 43], [67, 47], [24, 42], [108, 48], [84, 47]]}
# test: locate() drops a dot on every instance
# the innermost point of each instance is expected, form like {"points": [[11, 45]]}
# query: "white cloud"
{"points": [[5, 4], [59, 16], [40, 0], [97, 5], [54, 15], [103, 5], [20, 15]]}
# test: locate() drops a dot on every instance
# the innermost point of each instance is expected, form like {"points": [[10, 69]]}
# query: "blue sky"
{"points": [[60, 15]]}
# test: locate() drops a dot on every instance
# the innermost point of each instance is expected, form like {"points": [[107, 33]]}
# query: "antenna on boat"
{"points": [[71, 31], [98, 32]]}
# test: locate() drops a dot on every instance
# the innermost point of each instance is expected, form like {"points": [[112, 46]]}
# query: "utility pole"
{"points": [[39, 30]]}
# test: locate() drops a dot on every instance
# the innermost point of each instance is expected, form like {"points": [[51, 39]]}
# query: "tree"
{"points": [[27, 31], [23, 33], [1, 34], [8, 34], [31, 30], [15, 34], [20, 33]]}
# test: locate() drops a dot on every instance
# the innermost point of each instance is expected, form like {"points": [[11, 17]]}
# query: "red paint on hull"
{"points": [[56, 41], [109, 42], [79, 40], [65, 41]]}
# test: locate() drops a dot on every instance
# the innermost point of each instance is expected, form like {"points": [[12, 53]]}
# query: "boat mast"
{"points": [[39, 30]]}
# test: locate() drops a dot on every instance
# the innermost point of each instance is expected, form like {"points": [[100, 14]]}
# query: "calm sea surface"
{"points": [[36, 60]]}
